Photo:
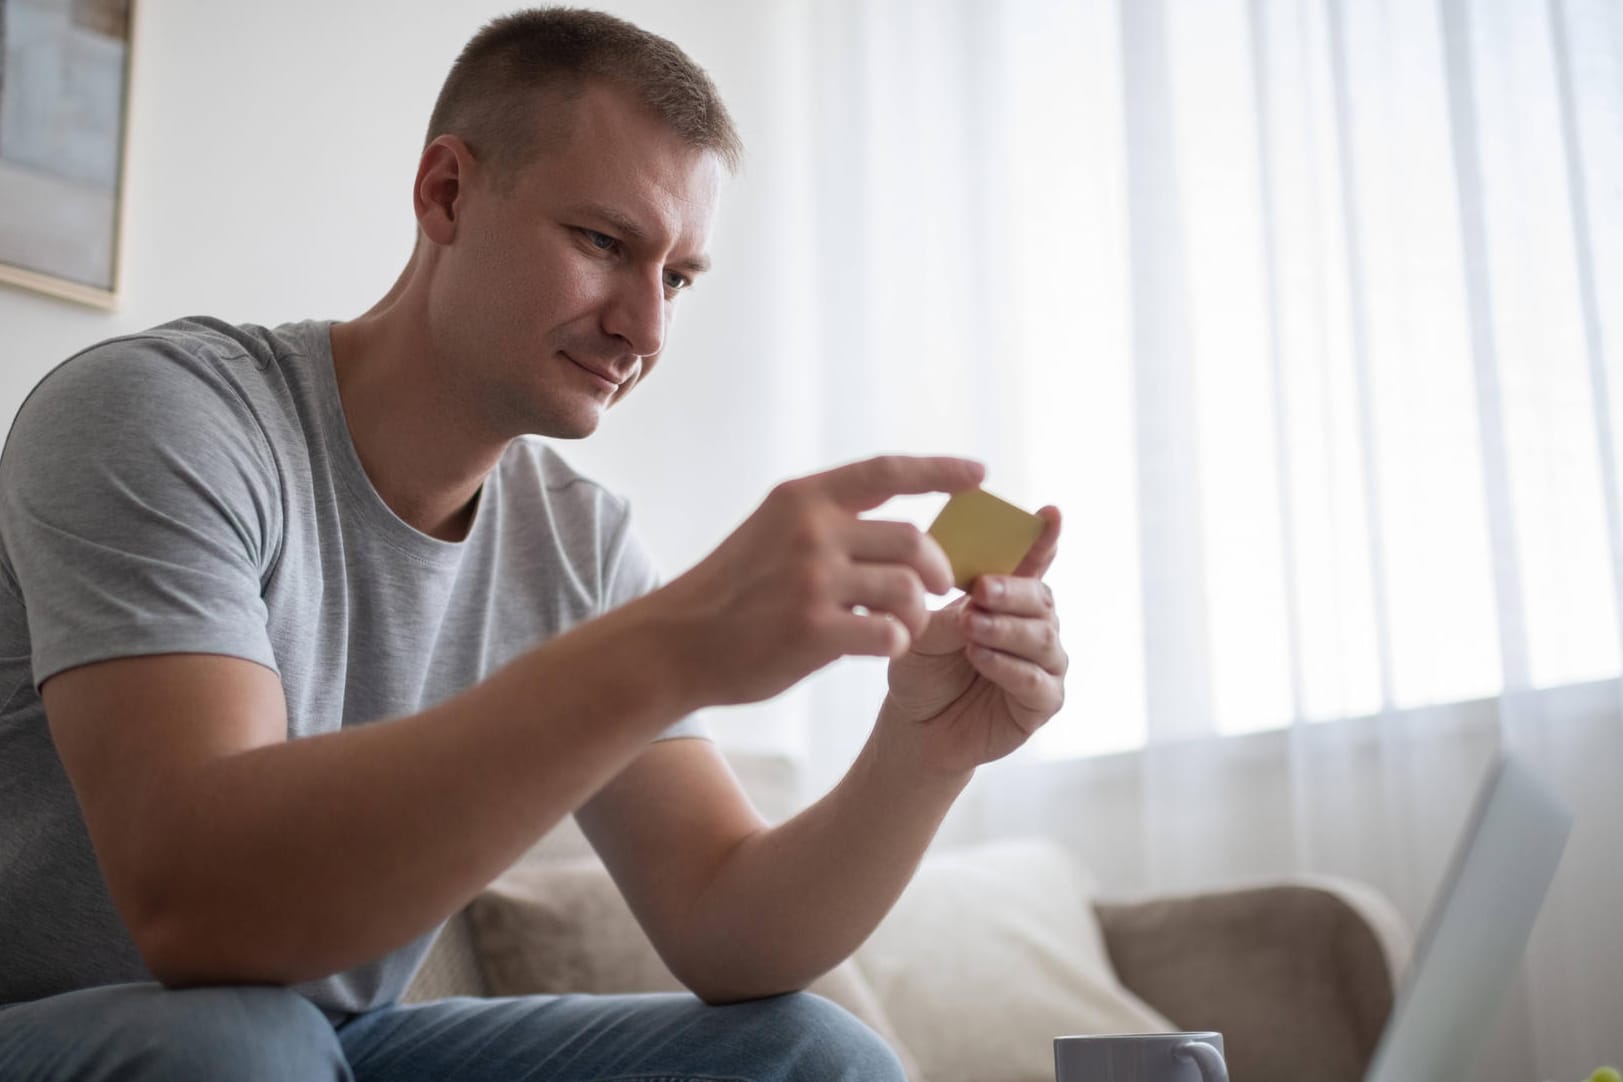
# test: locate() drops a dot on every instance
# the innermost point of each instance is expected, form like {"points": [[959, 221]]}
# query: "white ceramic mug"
{"points": [[1140, 1057]]}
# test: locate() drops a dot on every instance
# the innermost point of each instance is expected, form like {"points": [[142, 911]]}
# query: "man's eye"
{"points": [[601, 241], [676, 282]]}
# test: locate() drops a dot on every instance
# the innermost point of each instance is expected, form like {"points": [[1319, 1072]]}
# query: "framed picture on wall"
{"points": [[64, 87]]}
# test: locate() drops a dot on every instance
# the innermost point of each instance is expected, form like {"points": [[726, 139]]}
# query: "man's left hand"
{"points": [[987, 672]]}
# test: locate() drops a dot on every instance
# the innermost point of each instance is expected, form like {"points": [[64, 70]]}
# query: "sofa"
{"points": [[993, 950]]}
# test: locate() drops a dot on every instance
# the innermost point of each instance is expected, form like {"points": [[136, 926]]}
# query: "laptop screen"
{"points": [[1472, 942]]}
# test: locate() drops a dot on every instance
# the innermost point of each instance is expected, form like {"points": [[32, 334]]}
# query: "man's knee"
{"points": [[145, 1031], [810, 1037], [251, 1032]]}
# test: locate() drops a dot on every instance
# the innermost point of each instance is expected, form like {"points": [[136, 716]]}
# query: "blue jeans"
{"points": [[143, 1032]]}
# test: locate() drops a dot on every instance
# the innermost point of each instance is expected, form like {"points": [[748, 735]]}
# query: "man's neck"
{"points": [[425, 466]]}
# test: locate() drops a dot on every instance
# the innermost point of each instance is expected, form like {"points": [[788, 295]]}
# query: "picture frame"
{"points": [[64, 120]]}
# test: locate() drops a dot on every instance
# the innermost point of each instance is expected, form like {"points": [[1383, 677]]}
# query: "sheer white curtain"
{"points": [[1308, 314]]}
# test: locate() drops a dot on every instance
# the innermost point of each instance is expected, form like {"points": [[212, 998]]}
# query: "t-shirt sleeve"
{"points": [[630, 572], [139, 510]]}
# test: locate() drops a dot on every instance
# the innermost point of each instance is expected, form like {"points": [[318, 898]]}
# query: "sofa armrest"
{"points": [[1297, 975]]}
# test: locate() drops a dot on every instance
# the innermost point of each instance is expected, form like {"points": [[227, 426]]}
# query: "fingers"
{"points": [[868, 634], [1028, 638], [1034, 688], [1011, 631], [943, 631], [1040, 556], [860, 585], [1012, 594], [1023, 593], [864, 485], [896, 591], [885, 542]]}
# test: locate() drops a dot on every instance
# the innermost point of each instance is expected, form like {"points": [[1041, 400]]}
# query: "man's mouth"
{"points": [[603, 376]]}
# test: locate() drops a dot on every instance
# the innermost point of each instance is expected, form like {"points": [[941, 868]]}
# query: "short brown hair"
{"points": [[492, 96]]}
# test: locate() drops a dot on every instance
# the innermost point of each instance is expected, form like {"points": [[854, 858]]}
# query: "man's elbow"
{"points": [[718, 988], [181, 953], [725, 995]]}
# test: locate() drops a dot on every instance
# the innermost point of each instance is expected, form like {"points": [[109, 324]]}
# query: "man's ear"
{"points": [[443, 172]]}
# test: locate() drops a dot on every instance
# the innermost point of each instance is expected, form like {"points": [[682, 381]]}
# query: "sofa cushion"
{"points": [[561, 925], [990, 953]]}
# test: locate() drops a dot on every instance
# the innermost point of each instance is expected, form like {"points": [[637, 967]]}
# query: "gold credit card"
{"points": [[983, 535]]}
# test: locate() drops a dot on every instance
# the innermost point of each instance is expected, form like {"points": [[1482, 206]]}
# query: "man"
{"points": [[306, 639]]}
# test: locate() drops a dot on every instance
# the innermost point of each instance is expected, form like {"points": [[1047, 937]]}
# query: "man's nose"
{"points": [[636, 313]]}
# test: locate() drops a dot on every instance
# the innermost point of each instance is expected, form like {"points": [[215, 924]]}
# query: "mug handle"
{"points": [[1212, 1068]]}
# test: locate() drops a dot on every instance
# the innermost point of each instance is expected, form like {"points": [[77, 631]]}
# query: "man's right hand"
{"points": [[805, 580]]}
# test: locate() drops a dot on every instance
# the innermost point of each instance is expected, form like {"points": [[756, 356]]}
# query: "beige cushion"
{"points": [[991, 953], [563, 926]]}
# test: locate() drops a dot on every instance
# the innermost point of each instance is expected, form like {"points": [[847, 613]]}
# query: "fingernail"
{"points": [[996, 588]]}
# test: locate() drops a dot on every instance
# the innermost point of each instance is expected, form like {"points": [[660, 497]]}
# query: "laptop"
{"points": [[1472, 941]]}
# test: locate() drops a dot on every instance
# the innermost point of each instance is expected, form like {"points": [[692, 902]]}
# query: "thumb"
{"points": [[1041, 555], [943, 632]]}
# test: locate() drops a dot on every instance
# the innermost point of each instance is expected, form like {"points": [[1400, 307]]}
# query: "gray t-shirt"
{"points": [[193, 488]]}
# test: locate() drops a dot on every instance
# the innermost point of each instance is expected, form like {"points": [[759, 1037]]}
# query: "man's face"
{"points": [[554, 298]]}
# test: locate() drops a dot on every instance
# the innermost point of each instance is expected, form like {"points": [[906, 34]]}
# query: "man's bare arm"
{"points": [[236, 855], [740, 910]]}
